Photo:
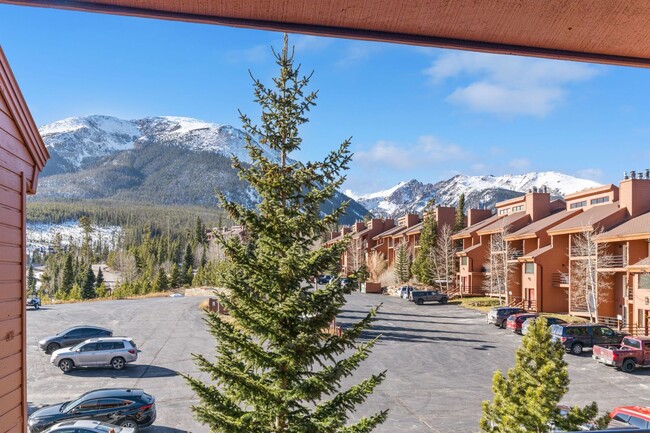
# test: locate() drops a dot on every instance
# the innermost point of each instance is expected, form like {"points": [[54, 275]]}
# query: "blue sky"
{"points": [[411, 112]]}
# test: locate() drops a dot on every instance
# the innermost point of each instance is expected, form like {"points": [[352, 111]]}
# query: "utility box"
{"points": [[370, 287], [216, 307]]}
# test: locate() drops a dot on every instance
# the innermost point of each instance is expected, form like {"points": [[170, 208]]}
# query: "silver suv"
{"points": [[115, 352], [422, 296]]}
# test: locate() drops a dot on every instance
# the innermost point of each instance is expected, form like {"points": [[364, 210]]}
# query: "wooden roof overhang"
{"points": [[20, 113], [601, 31]]}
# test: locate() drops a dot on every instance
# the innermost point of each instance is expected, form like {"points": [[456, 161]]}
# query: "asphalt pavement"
{"points": [[440, 361]]}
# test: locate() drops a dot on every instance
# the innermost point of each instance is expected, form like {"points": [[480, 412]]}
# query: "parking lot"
{"points": [[440, 360]]}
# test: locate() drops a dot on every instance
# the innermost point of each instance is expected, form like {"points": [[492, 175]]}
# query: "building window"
{"points": [[644, 281], [578, 204], [504, 211], [599, 200], [518, 208], [463, 260], [529, 268]]}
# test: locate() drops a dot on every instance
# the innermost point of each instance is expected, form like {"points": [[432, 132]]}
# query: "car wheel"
{"points": [[443, 301], [628, 366], [36, 306], [129, 423], [52, 347], [420, 301], [502, 325], [117, 363], [66, 365], [576, 348]]}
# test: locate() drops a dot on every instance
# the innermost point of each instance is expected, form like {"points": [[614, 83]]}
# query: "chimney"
{"points": [[477, 215], [538, 205], [634, 194]]}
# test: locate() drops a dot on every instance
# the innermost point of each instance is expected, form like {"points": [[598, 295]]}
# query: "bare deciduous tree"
{"points": [[588, 279], [445, 253], [498, 265], [376, 265], [355, 257]]}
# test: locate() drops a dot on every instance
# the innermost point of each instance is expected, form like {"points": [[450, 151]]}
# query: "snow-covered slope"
{"points": [[77, 141], [482, 191]]}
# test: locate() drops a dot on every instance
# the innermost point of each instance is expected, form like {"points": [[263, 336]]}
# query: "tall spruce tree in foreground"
{"points": [[277, 369], [526, 399], [459, 219], [424, 263]]}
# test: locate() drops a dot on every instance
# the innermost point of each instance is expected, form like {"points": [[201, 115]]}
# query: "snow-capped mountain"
{"points": [[480, 191], [78, 141], [160, 160]]}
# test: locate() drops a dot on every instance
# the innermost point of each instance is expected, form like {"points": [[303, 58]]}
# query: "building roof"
{"points": [[533, 228], [635, 228], [605, 31], [642, 265], [467, 232], [587, 219], [536, 253], [415, 229], [390, 232], [21, 115], [502, 223], [469, 250]]}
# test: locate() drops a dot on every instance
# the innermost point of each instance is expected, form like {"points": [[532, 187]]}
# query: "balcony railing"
{"points": [[472, 290], [515, 254], [616, 261], [580, 252], [560, 279]]}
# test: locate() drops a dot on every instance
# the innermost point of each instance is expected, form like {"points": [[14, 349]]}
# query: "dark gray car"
{"points": [[499, 315], [422, 296], [72, 336], [575, 337]]}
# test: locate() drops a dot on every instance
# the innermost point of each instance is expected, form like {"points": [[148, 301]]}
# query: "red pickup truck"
{"points": [[633, 352]]}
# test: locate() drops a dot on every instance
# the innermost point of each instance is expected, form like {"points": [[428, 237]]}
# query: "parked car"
{"points": [[549, 321], [630, 354], [636, 416], [87, 426], [405, 291], [176, 295], [34, 302], [575, 337], [323, 279], [130, 408], [499, 315], [422, 296], [71, 337], [115, 352], [515, 321]]}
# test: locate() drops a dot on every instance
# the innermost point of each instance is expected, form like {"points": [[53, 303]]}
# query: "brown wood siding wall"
{"points": [[16, 167]]}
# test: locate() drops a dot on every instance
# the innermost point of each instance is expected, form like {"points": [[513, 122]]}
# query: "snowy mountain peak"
{"points": [[76, 141], [480, 191]]}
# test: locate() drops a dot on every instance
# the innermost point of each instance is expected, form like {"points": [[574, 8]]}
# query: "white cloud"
{"points": [[591, 174], [519, 164], [508, 85], [426, 151], [306, 43]]}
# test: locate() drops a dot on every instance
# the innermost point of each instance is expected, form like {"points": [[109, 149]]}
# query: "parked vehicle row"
{"points": [[119, 410]]}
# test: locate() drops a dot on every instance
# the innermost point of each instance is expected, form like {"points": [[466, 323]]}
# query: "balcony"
{"points": [[614, 261], [515, 254], [560, 279], [579, 252]]}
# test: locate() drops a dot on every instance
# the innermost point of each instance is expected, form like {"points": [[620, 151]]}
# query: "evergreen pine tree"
{"points": [[88, 290], [276, 369], [526, 399], [99, 280], [459, 220], [423, 265], [199, 232], [68, 275], [161, 283], [31, 281], [188, 265], [175, 279], [402, 263]]}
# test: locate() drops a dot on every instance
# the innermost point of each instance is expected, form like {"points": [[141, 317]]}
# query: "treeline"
{"points": [[173, 221]]}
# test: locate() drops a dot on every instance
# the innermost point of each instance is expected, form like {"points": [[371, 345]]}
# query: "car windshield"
{"points": [[78, 346], [108, 428]]}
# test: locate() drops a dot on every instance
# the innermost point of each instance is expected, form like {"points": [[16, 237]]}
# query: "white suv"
{"points": [[115, 352]]}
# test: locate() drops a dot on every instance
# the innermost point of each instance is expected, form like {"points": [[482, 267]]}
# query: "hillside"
{"points": [[156, 160]]}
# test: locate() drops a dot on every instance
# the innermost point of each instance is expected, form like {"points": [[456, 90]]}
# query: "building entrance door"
{"points": [[531, 300]]}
